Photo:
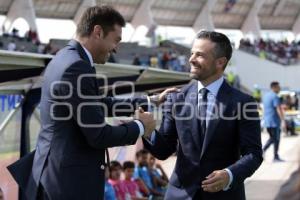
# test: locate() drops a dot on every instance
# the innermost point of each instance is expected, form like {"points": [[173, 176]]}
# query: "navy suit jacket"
{"points": [[230, 142], [69, 158]]}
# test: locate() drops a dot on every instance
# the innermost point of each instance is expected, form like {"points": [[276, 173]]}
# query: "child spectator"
{"points": [[132, 188], [142, 172], [115, 170], [158, 175], [109, 192]]}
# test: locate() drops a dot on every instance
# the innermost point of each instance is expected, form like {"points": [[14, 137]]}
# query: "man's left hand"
{"points": [[216, 181], [160, 98]]}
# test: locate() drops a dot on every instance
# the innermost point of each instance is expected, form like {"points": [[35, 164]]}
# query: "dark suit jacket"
{"points": [[69, 158], [229, 143]]}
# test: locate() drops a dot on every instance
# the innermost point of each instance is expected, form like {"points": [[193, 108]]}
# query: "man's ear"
{"points": [[221, 62], [98, 31]]}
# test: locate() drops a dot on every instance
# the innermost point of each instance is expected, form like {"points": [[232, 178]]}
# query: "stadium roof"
{"points": [[272, 14]]}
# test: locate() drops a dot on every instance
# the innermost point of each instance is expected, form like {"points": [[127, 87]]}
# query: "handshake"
{"points": [[146, 117], [147, 120]]}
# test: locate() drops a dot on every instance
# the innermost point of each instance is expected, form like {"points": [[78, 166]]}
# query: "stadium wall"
{"points": [[253, 70]]}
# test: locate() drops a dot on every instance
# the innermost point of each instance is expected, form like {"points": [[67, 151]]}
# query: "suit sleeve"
{"points": [[123, 107], [249, 143], [163, 143], [89, 111]]}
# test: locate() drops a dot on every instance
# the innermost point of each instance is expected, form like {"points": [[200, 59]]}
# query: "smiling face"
{"points": [[205, 67], [106, 44]]}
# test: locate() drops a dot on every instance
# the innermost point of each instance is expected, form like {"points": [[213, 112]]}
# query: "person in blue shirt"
{"points": [[109, 192], [273, 118], [159, 176], [142, 172]]}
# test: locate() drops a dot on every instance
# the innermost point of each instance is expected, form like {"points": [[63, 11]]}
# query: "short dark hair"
{"points": [[141, 152], [223, 46], [128, 165], [105, 16], [274, 84], [114, 164]]}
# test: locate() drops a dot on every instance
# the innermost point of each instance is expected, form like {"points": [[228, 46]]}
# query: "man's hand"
{"points": [[216, 181], [160, 98], [147, 119]]}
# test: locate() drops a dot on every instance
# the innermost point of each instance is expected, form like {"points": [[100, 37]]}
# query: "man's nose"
{"points": [[192, 59]]}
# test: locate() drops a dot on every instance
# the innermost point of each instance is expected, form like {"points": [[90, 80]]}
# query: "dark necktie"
{"points": [[202, 110]]}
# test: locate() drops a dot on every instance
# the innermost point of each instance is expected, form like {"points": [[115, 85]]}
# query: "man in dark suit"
{"points": [[214, 129], [69, 161]]}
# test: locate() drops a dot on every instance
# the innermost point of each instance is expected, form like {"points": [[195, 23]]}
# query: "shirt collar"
{"points": [[213, 87], [89, 56]]}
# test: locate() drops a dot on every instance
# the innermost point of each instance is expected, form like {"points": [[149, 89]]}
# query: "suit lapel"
{"points": [[191, 110], [79, 48], [84, 56], [221, 103]]}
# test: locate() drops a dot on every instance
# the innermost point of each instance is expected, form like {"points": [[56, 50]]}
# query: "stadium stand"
{"points": [[282, 52]]}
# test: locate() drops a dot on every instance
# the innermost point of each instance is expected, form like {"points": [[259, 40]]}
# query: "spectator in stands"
{"points": [[229, 5], [182, 62], [287, 101], [136, 60], [1, 194], [273, 118], [115, 170], [11, 46], [230, 78], [165, 60], [257, 94], [109, 192], [282, 52], [131, 187], [48, 48], [22, 49], [174, 62], [237, 82], [159, 177], [15, 32], [290, 127], [32, 36], [296, 102], [40, 48], [154, 61], [142, 171]]}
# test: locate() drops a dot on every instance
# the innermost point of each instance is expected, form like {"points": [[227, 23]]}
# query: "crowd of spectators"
{"points": [[164, 59], [12, 41], [282, 52], [141, 181], [170, 60]]}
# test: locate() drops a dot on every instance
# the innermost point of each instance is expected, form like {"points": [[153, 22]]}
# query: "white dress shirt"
{"points": [[138, 122]]}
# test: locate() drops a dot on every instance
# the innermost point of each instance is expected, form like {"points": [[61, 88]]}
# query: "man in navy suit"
{"points": [[69, 161], [214, 128]]}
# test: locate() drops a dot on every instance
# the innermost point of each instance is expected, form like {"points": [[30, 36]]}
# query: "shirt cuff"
{"points": [[151, 139], [141, 127], [230, 179], [150, 108]]}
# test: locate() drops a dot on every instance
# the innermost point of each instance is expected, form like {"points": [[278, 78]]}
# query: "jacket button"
{"points": [[102, 167]]}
